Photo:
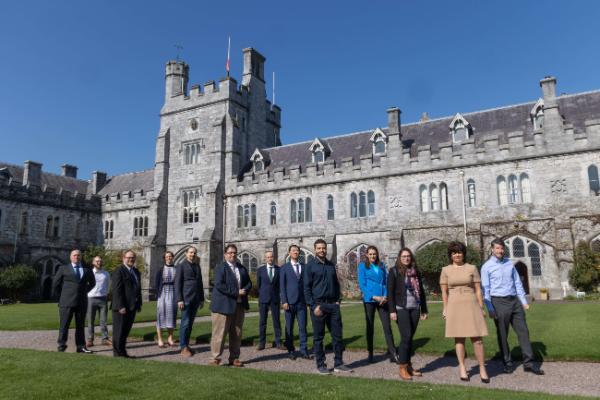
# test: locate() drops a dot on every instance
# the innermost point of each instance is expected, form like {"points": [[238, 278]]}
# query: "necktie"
{"points": [[297, 270], [78, 272], [270, 273], [133, 276]]}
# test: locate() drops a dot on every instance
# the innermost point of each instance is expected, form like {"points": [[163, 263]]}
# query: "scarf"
{"points": [[412, 280]]}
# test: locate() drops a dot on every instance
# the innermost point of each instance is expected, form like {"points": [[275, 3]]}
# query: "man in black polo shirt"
{"points": [[322, 293]]}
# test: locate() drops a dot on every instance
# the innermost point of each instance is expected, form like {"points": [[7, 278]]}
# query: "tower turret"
{"points": [[176, 79]]}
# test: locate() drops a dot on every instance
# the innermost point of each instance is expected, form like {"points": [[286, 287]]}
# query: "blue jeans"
{"points": [[187, 321]]}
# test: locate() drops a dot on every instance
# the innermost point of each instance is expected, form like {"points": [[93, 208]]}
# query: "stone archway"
{"points": [[522, 270]]}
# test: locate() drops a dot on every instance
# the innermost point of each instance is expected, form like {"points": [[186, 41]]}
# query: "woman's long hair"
{"points": [[377, 261], [413, 263]]}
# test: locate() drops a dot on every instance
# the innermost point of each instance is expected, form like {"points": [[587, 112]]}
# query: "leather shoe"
{"points": [[89, 343], [84, 350], [214, 362], [306, 356], [535, 371], [185, 352], [508, 369], [106, 342], [291, 356], [62, 348], [236, 363], [260, 347]]}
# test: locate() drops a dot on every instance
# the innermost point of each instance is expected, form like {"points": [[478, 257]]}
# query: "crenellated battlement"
{"points": [[494, 147]]}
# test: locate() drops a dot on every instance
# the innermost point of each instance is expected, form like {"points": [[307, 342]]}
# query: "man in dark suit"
{"points": [[293, 303], [228, 304], [72, 283], [189, 294], [126, 301], [267, 280]]}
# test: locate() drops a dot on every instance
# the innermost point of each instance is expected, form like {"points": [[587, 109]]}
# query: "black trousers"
{"points": [[66, 316], [122, 324], [408, 320], [332, 319], [263, 309], [509, 311], [384, 317]]}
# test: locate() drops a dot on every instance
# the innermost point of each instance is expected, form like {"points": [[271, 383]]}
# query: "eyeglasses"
{"points": [[405, 257], [231, 252]]}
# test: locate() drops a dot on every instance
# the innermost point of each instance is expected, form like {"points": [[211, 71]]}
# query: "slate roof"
{"points": [[54, 181], [132, 181], [575, 109]]}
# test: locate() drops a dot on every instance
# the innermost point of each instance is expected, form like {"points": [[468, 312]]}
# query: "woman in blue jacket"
{"points": [[372, 280]]}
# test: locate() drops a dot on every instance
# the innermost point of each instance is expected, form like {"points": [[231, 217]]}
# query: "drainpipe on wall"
{"points": [[464, 206]]}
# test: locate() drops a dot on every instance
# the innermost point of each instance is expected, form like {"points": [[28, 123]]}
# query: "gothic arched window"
{"points": [[371, 203], [593, 180], [273, 214], [471, 193]]}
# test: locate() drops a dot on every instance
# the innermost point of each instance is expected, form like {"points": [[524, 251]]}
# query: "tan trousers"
{"points": [[223, 325]]}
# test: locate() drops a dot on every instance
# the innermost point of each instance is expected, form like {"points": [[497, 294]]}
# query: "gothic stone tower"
{"points": [[206, 137]]}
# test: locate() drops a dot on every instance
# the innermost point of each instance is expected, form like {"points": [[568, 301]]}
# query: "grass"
{"points": [[64, 375], [44, 316], [563, 331]]}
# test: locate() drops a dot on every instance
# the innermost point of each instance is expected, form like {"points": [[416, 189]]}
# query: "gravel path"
{"points": [[568, 378]]}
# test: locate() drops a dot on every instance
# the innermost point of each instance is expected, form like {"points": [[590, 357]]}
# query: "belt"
{"points": [[461, 290], [98, 297], [504, 297], [168, 283], [326, 301]]}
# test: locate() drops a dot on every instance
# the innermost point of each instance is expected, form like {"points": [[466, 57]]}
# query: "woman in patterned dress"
{"points": [[166, 307]]}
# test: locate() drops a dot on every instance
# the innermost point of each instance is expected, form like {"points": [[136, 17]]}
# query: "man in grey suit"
{"points": [[189, 293], [72, 283]]}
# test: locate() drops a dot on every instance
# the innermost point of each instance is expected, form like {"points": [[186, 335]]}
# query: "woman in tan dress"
{"points": [[463, 307]]}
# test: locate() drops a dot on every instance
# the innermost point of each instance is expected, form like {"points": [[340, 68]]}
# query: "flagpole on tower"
{"points": [[228, 53], [273, 90]]}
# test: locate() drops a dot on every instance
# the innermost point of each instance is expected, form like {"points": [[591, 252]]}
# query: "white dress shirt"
{"points": [[102, 281]]}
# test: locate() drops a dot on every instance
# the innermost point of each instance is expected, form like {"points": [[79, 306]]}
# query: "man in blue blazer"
{"points": [[267, 279], [292, 299], [228, 303]]}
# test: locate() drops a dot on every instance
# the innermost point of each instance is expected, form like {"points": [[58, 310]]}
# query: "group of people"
{"points": [[396, 294]]}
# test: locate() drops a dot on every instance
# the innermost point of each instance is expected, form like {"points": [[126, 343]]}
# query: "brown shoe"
{"points": [[236, 363], [404, 373], [106, 342], [89, 343], [185, 352], [214, 362], [412, 371]]}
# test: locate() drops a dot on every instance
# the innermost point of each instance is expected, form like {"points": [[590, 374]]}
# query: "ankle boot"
{"points": [[403, 372], [412, 371]]}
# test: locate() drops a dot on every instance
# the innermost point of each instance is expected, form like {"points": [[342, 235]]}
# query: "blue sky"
{"points": [[83, 82]]}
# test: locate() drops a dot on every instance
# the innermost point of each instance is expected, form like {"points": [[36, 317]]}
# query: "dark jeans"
{"points": [[407, 321], [332, 318], [509, 311], [96, 304], [122, 324], [384, 317], [66, 316], [263, 309], [187, 321], [296, 311]]}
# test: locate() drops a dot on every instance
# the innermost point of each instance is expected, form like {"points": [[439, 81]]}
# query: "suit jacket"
{"points": [[268, 291], [72, 291], [188, 283], [226, 290], [291, 288], [126, 292]]}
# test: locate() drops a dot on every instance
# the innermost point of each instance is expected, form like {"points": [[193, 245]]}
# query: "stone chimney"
{"points": [[32, 173], [553, 122], [69, 170], [394, 120], [98, 181]]}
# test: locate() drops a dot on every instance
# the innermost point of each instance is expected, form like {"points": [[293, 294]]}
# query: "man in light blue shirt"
{"points": [[505, 299]]}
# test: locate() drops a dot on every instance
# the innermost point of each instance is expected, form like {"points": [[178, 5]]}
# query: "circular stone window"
{"points": [[194, 124]]}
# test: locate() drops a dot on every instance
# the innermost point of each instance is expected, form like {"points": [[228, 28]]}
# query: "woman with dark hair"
{"points": [[372, 281], [463, 308], [166, 306], [407, 304]]}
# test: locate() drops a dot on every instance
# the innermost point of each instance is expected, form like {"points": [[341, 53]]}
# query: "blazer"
{"points": [[188, 283], [126, 292], [397, 291], [291, 288], [225, 292], [268, 291], [372, 282], [70, 290]]}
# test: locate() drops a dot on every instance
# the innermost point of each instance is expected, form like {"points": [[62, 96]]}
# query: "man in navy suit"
{"points": [[293, 303], [267, 279], [228, 303], [72, 283]]}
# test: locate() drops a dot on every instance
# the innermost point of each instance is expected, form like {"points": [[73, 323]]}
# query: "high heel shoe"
{"points": [[485, 380], [465, 378]]}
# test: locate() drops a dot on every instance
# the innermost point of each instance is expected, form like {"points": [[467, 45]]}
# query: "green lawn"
{"points": [[64, 375], [563, 331], [41, 316]]}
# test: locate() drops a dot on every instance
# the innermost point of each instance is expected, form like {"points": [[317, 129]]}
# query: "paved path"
{"points": [[561, 377]]}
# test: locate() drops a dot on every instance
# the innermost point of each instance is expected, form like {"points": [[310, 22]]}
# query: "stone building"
{"points": [[527, 173]]}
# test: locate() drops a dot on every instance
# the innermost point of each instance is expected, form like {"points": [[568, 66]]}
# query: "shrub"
{"points": [[111, 258], [18, 280], [432, 258], [584, 275]]}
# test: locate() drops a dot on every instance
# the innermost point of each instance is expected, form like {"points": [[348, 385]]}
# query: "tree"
{"points": [[18, 280], [432, 258], [584, 275], [111, 258]]}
